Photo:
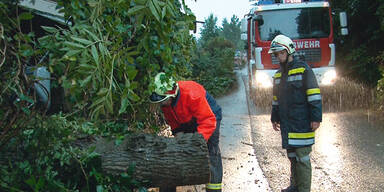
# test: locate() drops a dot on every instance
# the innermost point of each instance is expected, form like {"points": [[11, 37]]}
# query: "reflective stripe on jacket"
{"points": [[192, 110], [296, 103]]}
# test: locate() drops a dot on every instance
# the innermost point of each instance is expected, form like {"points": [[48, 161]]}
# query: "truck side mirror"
{"points": [[244, 29], [244, 25], [343, 23]]}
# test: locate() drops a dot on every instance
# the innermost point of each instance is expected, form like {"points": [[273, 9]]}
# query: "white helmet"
{"points": [[280, 43], [165, 87]]}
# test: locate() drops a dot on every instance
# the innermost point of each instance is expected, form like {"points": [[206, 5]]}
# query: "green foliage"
{"points": [[360, 54], [209, 31], [380, 83], [213, 66], [365, 68], [105, 60], [48, 158], [231, 31], [101, 67], [213, 60], [380, 93], [43, 151], [357, 53]]}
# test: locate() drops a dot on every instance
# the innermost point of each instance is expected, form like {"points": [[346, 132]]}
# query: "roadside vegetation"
{"points": [[344, 95], [360, 55], [101, 67], [213, 58]]}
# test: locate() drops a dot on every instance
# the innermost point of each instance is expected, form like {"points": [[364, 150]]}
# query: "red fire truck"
{"points": [[307, 23]]}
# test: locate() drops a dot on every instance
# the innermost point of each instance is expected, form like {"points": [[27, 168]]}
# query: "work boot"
{"points": [[291, 188]]}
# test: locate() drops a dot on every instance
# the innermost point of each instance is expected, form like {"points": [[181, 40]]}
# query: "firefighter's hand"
{"points": [[315, 125], [276, 126]]}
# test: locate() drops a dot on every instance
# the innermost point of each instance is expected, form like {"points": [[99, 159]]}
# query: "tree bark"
{"points": [[160, 160]]}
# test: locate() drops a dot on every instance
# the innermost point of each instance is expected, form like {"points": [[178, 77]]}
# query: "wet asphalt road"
{"points": [[348, 154], [241, 168]]}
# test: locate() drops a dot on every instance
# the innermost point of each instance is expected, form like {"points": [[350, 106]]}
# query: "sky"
{"points": [[220, 9]]}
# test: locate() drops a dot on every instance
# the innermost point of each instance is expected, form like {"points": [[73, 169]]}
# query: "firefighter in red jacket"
{"points": [[188, 108]]}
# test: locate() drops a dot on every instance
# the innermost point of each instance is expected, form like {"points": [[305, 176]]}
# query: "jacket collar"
{"points": [[288, 65]]}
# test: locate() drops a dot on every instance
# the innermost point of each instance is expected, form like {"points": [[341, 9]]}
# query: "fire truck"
{"points": [[307, 23]]}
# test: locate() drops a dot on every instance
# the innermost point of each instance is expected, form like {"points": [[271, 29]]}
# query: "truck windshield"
{"points": [[295, 23]]}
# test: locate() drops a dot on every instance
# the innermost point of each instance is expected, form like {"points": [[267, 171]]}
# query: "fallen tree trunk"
{"points": [[161, 161]]}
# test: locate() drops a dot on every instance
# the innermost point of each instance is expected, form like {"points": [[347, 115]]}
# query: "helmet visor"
{"points": [[156, 98], [275, 49]]}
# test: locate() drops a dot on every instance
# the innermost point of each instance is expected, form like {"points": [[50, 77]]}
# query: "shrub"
{"points": [[213, 66]]}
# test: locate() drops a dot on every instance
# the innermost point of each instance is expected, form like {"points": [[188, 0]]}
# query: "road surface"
{"points": [[348, 154]]}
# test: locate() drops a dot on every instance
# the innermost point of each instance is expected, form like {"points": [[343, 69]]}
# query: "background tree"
{"points": [[213, 60], [358, 52], [209, 30], [231, 32]]}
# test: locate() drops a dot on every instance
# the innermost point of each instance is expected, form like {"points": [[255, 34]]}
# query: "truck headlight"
{"points": [[329, 77], [263, 80]]}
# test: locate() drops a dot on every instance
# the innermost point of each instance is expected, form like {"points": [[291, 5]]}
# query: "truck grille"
{"points": [[308, 55]]}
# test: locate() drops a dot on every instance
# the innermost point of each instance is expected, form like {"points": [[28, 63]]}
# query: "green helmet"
{"points": [[282, 42], [164, 88]]}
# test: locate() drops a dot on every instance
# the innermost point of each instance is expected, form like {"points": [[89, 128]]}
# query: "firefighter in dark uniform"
{"points": [[188, 108], [296, 111]]}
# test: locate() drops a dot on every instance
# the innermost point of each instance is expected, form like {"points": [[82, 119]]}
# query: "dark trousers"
{"points": [[301, 169], [216, 166]]}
